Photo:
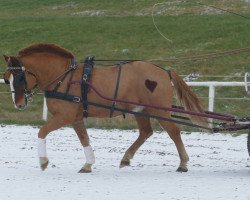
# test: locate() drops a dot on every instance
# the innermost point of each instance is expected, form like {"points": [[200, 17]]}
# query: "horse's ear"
{"points": [[6, 58]]}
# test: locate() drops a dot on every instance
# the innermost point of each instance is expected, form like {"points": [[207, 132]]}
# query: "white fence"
{"points": [[210, 84]]}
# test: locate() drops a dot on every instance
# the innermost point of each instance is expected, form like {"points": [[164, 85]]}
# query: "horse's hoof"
{"points": [[182, 169], [44, 165], [84, 170], [44, 162], [124, 163]]}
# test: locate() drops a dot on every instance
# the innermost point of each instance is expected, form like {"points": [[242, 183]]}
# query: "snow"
{"points": [[217, 167]]}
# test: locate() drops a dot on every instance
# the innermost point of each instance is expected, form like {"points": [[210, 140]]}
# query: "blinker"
{"points": [[6, 81], [20, 79]]}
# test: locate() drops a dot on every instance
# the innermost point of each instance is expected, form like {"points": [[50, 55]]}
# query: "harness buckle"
{"points": [[76, 99], [85, 77], [74, 66], [85, 113]]}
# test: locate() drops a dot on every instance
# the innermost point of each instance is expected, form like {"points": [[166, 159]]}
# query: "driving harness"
{"points": [[86, 76]]}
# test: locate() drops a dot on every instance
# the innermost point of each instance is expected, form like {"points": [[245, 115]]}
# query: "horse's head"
{"points": [[20, 80]]}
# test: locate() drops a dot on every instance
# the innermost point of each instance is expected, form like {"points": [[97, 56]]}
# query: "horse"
{"points": [[45, 65]]}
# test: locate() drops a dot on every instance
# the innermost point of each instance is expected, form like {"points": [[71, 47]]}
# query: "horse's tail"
{"points": [[188, 99]]}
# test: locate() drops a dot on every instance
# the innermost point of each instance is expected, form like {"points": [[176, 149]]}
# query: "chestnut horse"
{"points": [[41, 64]]}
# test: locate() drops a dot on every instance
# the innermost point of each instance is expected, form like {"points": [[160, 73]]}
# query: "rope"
{"points": [[153, 19], [201, 56]]}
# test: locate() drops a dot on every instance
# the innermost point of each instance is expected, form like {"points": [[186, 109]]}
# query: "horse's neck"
{"points": [[47, 68]]}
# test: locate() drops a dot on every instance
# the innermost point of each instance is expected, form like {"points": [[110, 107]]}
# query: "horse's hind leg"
{"points": [[145, 131], [82, 134], [174, 133]]}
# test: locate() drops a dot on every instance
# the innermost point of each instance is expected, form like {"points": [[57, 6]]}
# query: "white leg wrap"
{"points": [[41, 147], [89, 154]]}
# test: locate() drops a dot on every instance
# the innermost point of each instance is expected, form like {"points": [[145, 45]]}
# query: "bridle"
{"points": [[20, 80]]}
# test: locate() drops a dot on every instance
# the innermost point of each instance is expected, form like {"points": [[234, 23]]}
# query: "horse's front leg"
{"points": [[82, 134], [52, 124]]}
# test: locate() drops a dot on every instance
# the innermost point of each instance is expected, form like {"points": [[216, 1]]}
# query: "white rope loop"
{"points": [[152, 14]]}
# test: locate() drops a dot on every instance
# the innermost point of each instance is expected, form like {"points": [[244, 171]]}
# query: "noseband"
{"points": [[20, 80]]}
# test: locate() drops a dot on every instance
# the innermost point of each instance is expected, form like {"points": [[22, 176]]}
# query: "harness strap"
{"points": [[169, 73], [62, 96], [60, 82], [88, 66], [144, 114], [76, 99], [70, 79], [72, 67], [116, 88]]}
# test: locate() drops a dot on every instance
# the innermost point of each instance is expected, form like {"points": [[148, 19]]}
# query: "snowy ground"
{"points": [[217, 168]]}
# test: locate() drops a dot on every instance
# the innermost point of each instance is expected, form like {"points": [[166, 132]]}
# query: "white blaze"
{"points": [[11, 80]]}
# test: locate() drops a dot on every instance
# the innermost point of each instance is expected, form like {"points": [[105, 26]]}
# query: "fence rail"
{"points": [[212, 85], [211, 94]]}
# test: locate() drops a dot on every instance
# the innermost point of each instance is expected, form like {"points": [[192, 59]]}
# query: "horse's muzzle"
{"points": [[20, 107]]}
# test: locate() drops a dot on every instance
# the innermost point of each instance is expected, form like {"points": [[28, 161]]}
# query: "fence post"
{"points": [[211, 98], [45, 110], [247, 84]]}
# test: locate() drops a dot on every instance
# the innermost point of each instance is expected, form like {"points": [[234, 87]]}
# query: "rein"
{"points": [[238, 124], [198, 57], [72, 67], [86, 85], [219, 116]]}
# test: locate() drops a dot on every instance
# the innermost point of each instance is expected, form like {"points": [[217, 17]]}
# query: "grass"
{"points": [[124, 30]]}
